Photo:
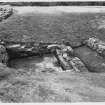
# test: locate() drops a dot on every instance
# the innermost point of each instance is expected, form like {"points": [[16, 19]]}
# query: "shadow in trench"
{"points": [[36, 63]]}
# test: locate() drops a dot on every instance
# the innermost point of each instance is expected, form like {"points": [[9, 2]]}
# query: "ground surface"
{"points": [[36, 79]]}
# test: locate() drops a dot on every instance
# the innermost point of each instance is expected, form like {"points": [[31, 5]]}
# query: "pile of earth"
{"points": [[92, 60]]}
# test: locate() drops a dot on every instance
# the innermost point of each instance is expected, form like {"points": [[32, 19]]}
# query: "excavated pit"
{"points": [[47, 63]]}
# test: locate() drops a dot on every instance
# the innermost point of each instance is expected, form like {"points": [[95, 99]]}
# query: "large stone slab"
{"points": [[93, 61]]}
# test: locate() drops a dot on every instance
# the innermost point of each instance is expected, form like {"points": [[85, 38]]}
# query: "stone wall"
{"points": [[5, 12]]}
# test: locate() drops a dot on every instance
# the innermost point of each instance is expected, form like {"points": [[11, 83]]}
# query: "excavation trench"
{"points": [[41, 56], [46, 63], [31, 57]]}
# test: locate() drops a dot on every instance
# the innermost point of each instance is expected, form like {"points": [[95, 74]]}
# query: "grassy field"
{"points": [[52, 27], [28, 83]]}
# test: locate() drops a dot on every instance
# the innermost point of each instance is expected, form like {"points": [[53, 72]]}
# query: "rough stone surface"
{"points": [[78, 65], [93, 61], [96, 44], [3, 55], [5, 12]]}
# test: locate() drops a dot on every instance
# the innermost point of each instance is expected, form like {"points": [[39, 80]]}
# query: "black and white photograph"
{"points": [[52, 51]]}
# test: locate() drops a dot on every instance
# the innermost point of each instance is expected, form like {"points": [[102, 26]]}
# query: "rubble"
{"points": [[61, 52], [5, 12], [3, 55], [63, 63], [67, 60], [78, 65], [96, 44]]}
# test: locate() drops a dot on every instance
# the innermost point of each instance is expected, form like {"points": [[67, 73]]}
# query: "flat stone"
{"points": [[92, 60]]}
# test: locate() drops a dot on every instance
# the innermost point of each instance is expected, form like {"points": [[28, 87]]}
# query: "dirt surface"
{"points": [[51, 86], [37, 79]]}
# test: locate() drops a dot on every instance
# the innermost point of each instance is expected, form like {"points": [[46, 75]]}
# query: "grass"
{"points": [[50, 28]]}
